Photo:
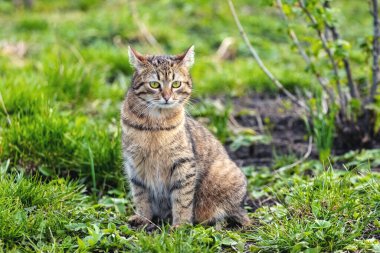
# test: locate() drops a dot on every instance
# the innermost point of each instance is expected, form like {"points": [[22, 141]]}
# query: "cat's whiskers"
{"points": [[145, 108], [190, 106]]}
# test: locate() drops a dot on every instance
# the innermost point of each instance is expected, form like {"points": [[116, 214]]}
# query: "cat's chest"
{"points": [[152, 163], [153, 169], [151, 157]]}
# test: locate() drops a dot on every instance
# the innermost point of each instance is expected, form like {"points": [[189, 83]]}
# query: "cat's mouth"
{"points": [[167, 105]]}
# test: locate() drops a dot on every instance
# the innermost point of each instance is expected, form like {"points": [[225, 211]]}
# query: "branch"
{"points": [[147, 36], [305, 156], [353, 88], [375, 51], [304, 55], [328, 52], [260, 62], [5, 110]]}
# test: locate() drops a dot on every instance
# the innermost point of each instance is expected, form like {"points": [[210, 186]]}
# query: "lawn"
{"points": [[64, 70]]}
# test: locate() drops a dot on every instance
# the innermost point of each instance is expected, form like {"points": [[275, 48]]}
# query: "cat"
{"points": [[176, 168]]}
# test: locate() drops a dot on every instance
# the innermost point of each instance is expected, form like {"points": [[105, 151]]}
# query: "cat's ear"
{"points": [[136, 59], [187, 58]]}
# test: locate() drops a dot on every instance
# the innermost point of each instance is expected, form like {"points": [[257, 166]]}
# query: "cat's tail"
{"points": [[239, 218]]}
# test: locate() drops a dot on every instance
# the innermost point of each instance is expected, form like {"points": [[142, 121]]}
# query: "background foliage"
{"points": [[63, 74]]}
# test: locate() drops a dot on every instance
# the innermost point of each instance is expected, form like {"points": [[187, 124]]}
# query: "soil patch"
{"points": [[274, 116], [277, 117]]}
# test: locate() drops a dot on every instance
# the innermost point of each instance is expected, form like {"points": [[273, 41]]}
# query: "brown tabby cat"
{"points": [[176, 168]]}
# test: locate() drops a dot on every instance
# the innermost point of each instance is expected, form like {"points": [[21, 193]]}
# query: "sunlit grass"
{"points": [[61, 183], [333, 211]]}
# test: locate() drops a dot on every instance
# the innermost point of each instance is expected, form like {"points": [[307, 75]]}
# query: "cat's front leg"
{"points": [[143, 210], [182, 188]]}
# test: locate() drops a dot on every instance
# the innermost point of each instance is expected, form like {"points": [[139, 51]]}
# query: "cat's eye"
{"points": [[176, 84], [154, 85]]}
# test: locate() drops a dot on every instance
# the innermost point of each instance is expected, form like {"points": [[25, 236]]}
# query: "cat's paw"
{"points": [[175, 226], [178, 225], [138, 221]]}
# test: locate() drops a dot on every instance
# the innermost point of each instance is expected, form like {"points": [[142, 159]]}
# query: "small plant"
{"points": [[247, 138], [327, 56], [351, 101], [322, 127]]}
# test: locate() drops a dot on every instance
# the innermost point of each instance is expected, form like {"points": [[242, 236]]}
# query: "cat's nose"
{"points": [[166, 96]]}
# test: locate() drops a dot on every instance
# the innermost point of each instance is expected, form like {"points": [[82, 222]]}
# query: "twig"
{"points": [[5, 110], [148, 220], [237, 127], [260, 62], [328, 52], [306, 155], [259, 122], [375, 49], [148, 37], [353, 89], [224, 51], [234, 122], [304, 55]]}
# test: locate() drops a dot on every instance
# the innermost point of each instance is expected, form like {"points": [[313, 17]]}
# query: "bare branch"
{"points": [[292, 33], [305, 156], [328, 52], [225, 50], [145, 33], [5, 110], [304, 55], [260, 62], [353, 88], [375, 51]]}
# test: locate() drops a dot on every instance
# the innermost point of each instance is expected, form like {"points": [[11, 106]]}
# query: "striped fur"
{"points": [[175, 166]]}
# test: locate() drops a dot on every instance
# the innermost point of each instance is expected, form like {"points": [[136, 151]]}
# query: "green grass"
{"points": [[329, 213], [57, 215], [61, 183], [332, 210]]}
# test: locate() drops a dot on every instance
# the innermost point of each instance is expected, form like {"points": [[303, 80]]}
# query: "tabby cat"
{"points": [[176, 168]]}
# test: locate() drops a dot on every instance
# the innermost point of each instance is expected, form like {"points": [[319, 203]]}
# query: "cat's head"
{"points": [[162, 81]]}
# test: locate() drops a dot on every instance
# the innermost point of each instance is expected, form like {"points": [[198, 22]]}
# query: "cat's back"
{"points": [[205, 146]]}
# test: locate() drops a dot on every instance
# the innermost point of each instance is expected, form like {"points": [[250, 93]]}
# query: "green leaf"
{"points": [[247, 140], [254, 248], [313, 250], [46, 171], [228, 241], [81, 244], [298, 247], [316, 207], [321, 224], [76, 226]]}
